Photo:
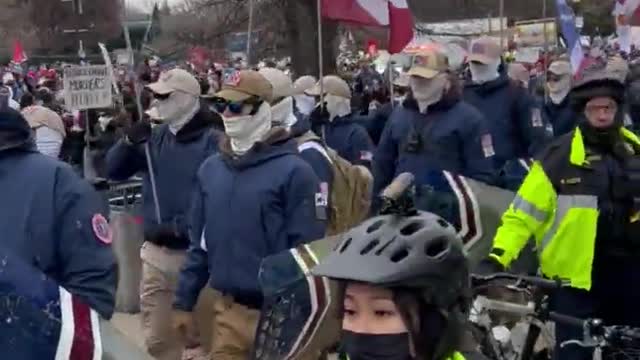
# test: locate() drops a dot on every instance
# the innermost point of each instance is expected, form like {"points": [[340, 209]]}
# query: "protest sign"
{"points": [[87, 87]]}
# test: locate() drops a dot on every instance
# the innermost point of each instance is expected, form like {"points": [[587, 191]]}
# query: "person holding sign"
{"points": [[177, 148]]}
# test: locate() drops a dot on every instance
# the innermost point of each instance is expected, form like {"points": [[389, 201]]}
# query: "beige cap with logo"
{"points": [[429, 63], [176, 80], [242, 85], [484, 50]]}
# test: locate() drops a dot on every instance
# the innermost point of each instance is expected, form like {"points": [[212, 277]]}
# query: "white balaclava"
{"points": [[244, 131], [282, 113], [49, 141], [177, 110], [305, 103], [427, 92], [337, 106], [558, 90], [483, 73]]}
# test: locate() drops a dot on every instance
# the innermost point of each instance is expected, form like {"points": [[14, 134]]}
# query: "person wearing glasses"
{"points": [[256, 198], [178, 146], [580, 202]]}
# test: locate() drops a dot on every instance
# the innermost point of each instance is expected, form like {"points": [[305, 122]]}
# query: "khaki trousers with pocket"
{"points": [[234, 330]]}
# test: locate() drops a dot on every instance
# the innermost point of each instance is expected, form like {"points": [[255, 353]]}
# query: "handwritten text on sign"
{"points": [[87, 87]]}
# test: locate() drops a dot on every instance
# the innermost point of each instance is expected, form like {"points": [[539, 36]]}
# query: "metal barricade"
{"points": [[125, 201]]}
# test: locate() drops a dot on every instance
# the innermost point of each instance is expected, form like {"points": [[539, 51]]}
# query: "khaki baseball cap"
{"points": [[331, 85], [484, 50], [403, 80], [429, 63], [244, 84], [176, 80], [560, 67]]}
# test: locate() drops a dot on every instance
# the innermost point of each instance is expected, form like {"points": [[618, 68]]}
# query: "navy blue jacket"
{"points": [[53, 219], [247, 208], [376, 121], [448, 137], [314, 153], [348, 138], [507, 108], [176, 159], [561, 117]]}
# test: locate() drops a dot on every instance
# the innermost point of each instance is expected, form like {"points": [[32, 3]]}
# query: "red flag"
{"points": [[394, 14], [19, 55], [400, 25]]}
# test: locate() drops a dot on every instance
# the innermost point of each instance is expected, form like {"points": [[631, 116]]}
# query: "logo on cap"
{"points": [[232, 78], [478, 48], [421, 61]]}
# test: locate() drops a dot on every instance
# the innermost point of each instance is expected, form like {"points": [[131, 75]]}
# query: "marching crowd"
{"points": [[241, 165]]}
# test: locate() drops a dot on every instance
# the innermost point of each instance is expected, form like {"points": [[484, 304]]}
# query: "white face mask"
{"points": [[177, 109], [428, 91], [305, 103], [558, 90], [337, 106], [483, 73], [282, 113], [246, 130], [49, 141]]}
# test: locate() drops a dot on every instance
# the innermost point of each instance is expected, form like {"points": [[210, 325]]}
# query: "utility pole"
{"points": [[78, 10], [502, 34]]}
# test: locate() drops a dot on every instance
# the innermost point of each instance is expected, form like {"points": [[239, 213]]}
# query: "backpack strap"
{"points": [[315, 145]]}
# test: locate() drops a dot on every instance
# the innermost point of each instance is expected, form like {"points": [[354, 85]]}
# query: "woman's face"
{"points": [[371, 310]]}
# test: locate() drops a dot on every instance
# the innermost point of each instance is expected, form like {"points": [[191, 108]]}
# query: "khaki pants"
{"points": [[234, 330], [160, 271]]}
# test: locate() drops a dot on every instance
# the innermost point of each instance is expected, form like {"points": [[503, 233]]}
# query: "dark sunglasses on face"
{"points": [[234, 107], [553, 77], [161, 96]]}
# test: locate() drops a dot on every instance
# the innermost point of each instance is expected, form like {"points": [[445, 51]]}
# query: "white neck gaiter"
{"points": [[427, 92], [282, 113], [337, 106], [305, 103], [483, 73], [245, 131], [49, 141], [558, 90], [177, 110]]}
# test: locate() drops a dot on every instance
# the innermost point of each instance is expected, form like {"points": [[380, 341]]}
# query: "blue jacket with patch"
{"points": [[53, 219], [176, 160], [348, 138], [516, 130], [247, 208], [561, 117], [448, 137]]}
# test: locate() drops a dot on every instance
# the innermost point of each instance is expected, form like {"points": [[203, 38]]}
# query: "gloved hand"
{"points": [[185, 326], [319, 115], [139, 133], [488, 266]]}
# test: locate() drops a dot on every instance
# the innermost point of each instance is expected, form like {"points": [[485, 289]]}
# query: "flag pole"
{"points": [[502, 35], [546, 50], [320, 57], [249, 31]]}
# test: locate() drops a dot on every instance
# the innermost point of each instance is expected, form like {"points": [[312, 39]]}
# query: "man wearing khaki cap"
{"points": [[336, 123], [257, 198], [433, 130], [177, 148], [517, 131], [557, 110]]}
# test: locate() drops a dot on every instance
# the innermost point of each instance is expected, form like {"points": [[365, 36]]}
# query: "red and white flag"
{"points": [[19, 56], [394, 14], [627, 12]]}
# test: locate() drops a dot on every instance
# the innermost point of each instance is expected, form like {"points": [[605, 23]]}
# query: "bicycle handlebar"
{"points": [[480, 280]]}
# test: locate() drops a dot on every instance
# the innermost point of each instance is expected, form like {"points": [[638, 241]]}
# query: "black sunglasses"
{"points": [[236, 107], [161, 96]]}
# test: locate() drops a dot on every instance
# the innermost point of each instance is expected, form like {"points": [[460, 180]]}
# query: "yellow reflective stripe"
{"points": [[630, 136], [564, 204], [529, 208], [577, 156]]}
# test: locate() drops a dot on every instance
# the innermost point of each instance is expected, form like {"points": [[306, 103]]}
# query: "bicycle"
{"points": [[614, 342]]}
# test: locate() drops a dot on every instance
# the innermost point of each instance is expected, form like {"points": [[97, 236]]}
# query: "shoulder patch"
{"points": [[101, 229]]}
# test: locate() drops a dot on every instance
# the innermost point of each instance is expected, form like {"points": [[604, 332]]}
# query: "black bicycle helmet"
{"points": [[599, 78], [421, 252]]}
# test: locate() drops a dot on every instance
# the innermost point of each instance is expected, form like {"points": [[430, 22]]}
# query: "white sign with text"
{"points": [[87, 87]]}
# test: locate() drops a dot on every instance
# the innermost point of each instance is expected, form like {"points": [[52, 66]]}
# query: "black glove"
{"points": [[139, 133], [488, 266], [319, 116]]}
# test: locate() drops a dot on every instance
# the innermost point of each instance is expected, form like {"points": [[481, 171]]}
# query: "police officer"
{"points": [[177, 148], [256, 198], [580, 203], [517, 131], [53, 219], [433, 130], [336, 124], [557, 109], [406, 289]]}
